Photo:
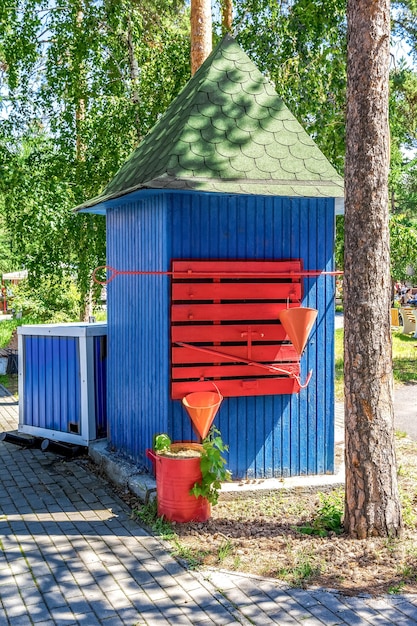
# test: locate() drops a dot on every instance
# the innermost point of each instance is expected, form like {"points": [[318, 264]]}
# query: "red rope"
{"points": [[189, 273]]}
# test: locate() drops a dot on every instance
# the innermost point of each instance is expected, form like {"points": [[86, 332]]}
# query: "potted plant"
{"points": [[188, 476], [213, 467]]}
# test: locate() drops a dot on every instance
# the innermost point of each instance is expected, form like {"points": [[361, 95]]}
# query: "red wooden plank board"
{"points": [[256, 326], [232, 333], [234, 388], [211, 268], [225, 312], [236, 291], [229, 371], [266, 354]]}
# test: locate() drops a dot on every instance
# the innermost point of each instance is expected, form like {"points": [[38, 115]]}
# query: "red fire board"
{"points": [[226, 312]]}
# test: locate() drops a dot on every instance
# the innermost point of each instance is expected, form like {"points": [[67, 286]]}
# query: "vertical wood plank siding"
{"points": [[138, 346], [268, 436], [52, 382]]}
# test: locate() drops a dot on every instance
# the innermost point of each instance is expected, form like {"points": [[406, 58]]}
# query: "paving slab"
{"points": [[70, 555]]}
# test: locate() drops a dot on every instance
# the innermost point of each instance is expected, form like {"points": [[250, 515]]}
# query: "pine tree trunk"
{"points": [[372, 505], [201, 33], [227, 16], [134, 76]]}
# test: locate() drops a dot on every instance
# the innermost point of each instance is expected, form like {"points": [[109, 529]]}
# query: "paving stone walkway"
{"points": [[70, 555]]}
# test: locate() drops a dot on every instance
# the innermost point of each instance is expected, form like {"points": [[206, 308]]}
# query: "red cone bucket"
{"points": [[202, 407], [298, 323], [174, 479]]}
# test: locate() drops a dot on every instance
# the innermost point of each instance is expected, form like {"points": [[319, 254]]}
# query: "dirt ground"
{"points": [[295, 536], [270, 536]]}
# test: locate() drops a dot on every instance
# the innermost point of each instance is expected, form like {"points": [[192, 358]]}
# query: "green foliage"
{"points": [[403, 245], [6, 331], [7, 263], [224, 550], [148, 515], [48, 301], [161, 443], [192, 556], [339, 363], [328, 517], [213, 468], [305, 569], [403, 237], [79, 91]]}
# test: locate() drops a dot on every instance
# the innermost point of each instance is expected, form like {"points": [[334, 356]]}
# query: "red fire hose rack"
{"points": [[225, 328]]}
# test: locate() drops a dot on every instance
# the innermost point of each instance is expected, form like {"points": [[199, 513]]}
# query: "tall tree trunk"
{"points": [[372, 505], [201, 33], [227, 16], [80, 103], [134, 76]]}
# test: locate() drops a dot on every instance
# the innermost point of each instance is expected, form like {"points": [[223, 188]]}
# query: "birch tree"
{"points": [[82, 83]]}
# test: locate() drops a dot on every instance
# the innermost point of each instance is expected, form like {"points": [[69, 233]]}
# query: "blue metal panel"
{"points": [[52, 382], [268, 436], [100, 384]]}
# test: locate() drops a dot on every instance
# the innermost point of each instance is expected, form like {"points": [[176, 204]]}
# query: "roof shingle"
{"points": [[227, 131]]}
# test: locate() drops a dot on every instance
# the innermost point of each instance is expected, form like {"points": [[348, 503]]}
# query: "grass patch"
{"points": [[6, 331], [306, 567], [8, 326], [148, 515], [403, 360], [339, 376], [193, 557], [328, 517]]}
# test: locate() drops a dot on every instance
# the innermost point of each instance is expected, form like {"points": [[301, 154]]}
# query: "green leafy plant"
{"points": [[329, 515], [398, 588], [213, 468], [192, 556], [224, 550], [305, 568], [148, 515], [161, 443]]}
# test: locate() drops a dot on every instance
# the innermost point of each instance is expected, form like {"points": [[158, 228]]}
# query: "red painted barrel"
{"points": [[174, 479]]}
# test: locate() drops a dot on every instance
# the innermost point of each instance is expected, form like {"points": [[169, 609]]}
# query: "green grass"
{"points": [[306, 567], [6, 330], [403, 356], [328, 517], [339, 380], [148, 514]]}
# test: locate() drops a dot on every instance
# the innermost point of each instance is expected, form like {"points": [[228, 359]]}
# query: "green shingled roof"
{"points": [[227, 131]]}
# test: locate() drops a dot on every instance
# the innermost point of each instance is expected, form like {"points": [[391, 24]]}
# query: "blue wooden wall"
{"points": [[268, 436]]}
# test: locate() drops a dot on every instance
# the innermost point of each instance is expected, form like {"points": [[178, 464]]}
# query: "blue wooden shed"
{"points": [[223, 215]]}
